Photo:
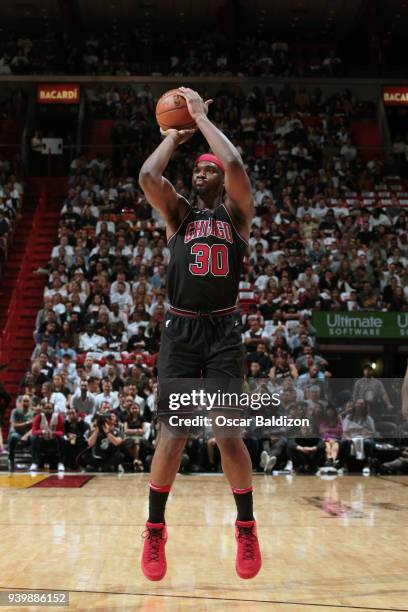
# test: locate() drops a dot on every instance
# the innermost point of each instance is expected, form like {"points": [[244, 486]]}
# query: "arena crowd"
{"points": [[328, 234], [116, 52]]}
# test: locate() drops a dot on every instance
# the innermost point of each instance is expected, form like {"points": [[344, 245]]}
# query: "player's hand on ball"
{"points": [[179, 136], [195, 104]]}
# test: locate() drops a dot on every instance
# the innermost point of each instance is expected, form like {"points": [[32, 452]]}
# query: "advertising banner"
{"points": [[361, 325], [396, 95], [58, 93]]}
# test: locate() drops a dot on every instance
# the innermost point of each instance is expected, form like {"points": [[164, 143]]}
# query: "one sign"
{"points": [[52, 146], [361, 325], [58, 93], [395, 96]]}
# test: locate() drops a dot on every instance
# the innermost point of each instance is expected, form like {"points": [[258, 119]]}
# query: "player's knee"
{"points": [[232, 447], [172, 447]]}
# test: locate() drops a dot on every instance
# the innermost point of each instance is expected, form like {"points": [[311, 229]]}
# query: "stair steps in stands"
{"points": [[25, 290], [15, 258]]}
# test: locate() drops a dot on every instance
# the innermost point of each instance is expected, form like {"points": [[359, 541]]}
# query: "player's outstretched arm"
{"points": [[159, 192], [237, 183]]}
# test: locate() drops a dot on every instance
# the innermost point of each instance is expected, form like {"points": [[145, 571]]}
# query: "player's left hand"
{"points": [[195, 104], [178, 136]]}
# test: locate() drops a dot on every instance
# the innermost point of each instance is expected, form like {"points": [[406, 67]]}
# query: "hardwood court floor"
{"points": [[329, 546]]}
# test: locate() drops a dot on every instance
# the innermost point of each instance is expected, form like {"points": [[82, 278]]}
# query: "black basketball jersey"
{"points": [[206, 261]]}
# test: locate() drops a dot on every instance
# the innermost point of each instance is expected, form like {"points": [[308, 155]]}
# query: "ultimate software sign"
{"points": [[363, 325]]}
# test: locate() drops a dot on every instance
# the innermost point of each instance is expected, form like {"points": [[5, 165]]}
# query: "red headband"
{"points": [[210, 158]]}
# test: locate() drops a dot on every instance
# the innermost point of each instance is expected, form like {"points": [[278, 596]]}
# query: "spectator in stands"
{"points": [[104, 442], [54, 397], [75, 442], [359, 429], [330, 428], [308, 249], [306, 451], [107, 395], [91, 343], [136, 431], [372, 391], [47, 436], [21, 422], [283, 368], [83, 401]]}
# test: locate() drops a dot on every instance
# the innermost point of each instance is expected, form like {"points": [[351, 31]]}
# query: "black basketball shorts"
{"points": [[200, 351]]}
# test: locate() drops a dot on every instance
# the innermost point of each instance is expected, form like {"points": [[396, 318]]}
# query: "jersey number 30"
{"points": [[209, 259]]}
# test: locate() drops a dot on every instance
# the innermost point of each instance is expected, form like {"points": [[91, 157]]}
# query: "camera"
{"points": [[101, 421]]}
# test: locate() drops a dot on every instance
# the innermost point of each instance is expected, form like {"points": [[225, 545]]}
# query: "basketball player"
{"points": [[201, 336]]}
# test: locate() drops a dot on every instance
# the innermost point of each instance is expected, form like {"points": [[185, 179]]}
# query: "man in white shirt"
{"points": [[257, 237], [69, 250], [83, 400], [305, 208], [348, 151], [308, 278], [89, 341], [116, 315], [91, 369], [68, 366], [107, 395], [120, 278], [58, 399], [321, 209], [121, 297], [263, 279], [261, 192]]}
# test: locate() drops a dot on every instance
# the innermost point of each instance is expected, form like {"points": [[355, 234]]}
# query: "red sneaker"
{"points": [[153, 563], [249, 559]]}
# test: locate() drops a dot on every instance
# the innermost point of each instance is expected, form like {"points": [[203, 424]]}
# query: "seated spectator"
{"points": [[21, 422], [283, 368], [5, 400], [75, 442], [273, 442], [83, 401], [306, 451], [371, 390], [330, 428], [261, 356], [359, 429], [104, 446], [136, 431], [55, 397], [91, 343], [107, 395], [47, 436]]}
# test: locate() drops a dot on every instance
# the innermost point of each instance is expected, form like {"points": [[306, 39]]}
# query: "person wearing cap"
{"points": [[201, 334], [371, 390]]}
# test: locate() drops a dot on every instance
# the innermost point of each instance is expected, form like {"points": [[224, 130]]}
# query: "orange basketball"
{"points": [[172, 112]]}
